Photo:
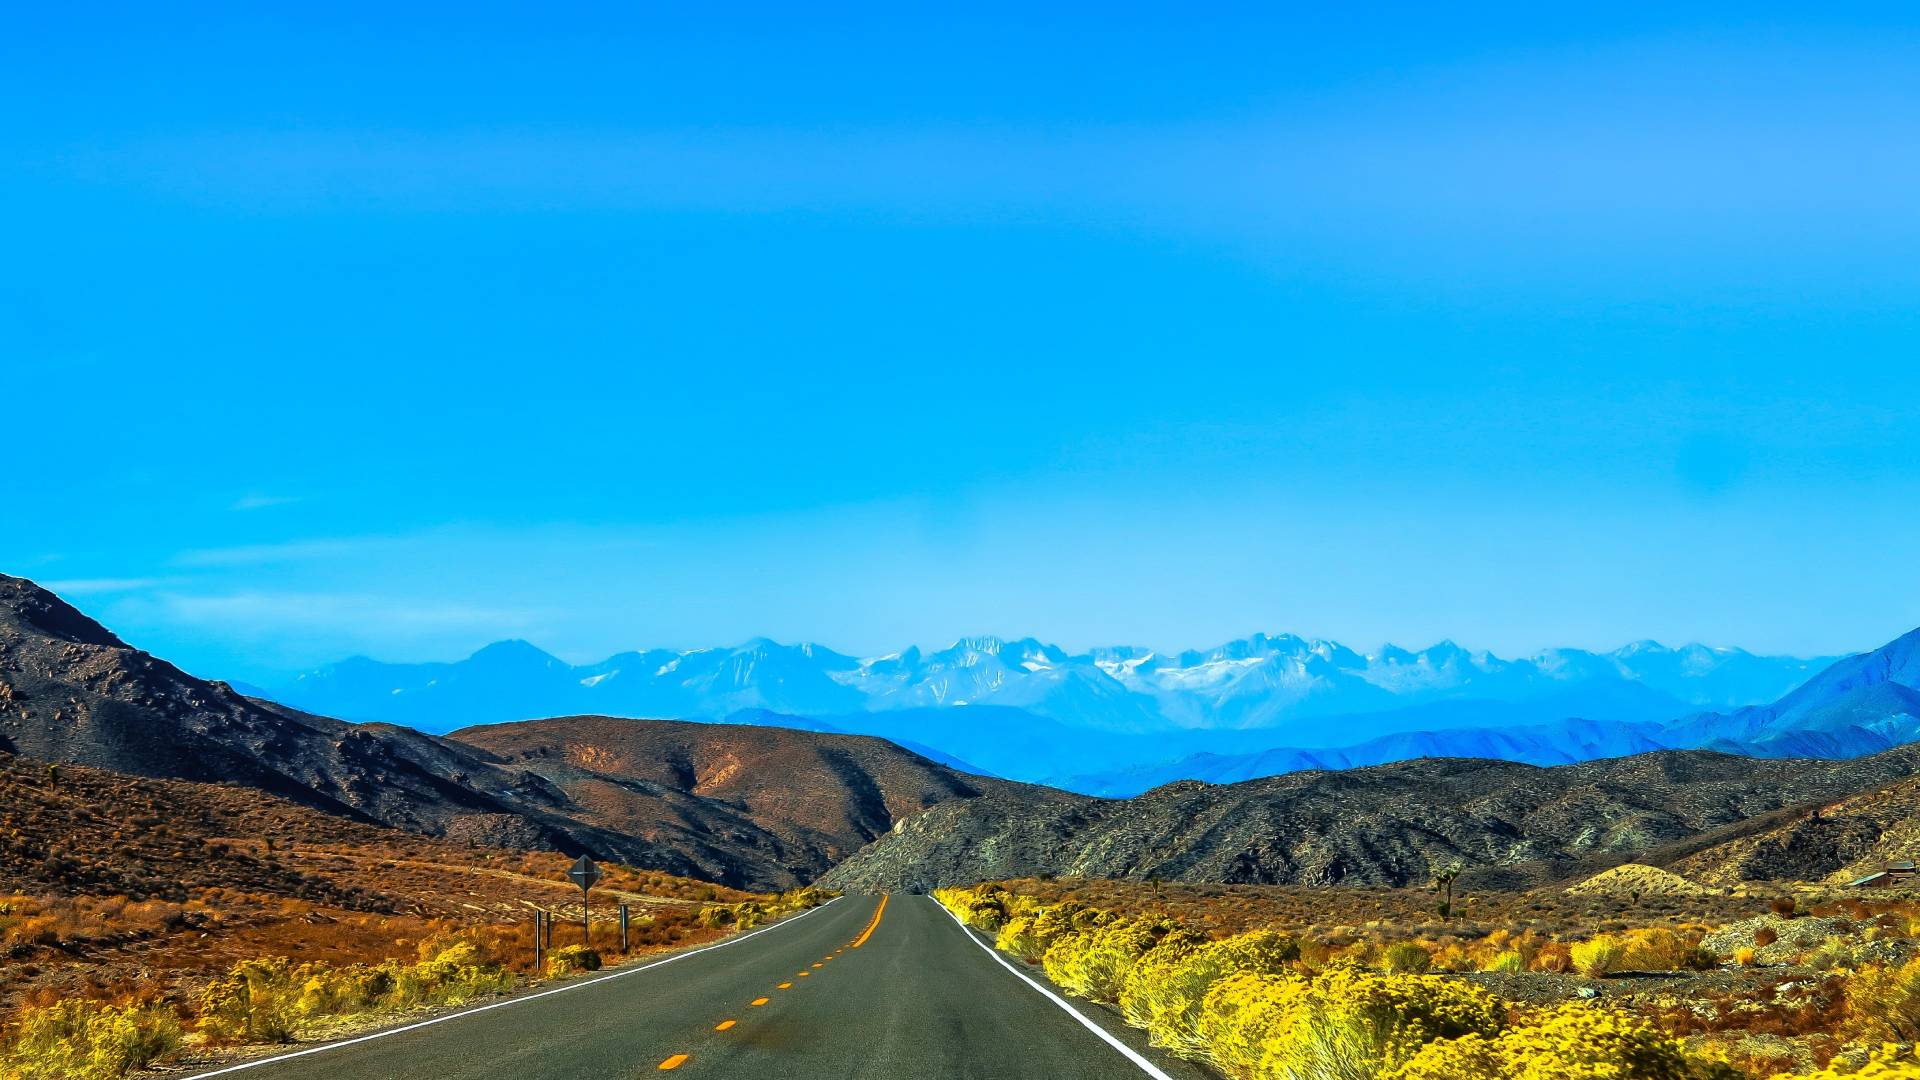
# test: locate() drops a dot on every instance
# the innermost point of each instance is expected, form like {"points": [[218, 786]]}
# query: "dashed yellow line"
{"points": [[874, 925]]}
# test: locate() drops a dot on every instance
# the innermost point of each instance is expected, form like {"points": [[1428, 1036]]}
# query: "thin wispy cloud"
{"points": [[291, 551], [325, 613], [263, 502]]}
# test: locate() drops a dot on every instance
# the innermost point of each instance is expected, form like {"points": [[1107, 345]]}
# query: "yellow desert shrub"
{"points": [[1571, 1042], [1602, 955], [1242, 1014], [1656, 949], [1030, 935], [1168, 997], [571, 960], [1354, 1025], [1507, 963], [257, 1002], [1345, 1024], [85, 1040], [1140, 989], [982, 909], [1889, 1063], [1883, 1004], [1095, 963], [272, 1000]]}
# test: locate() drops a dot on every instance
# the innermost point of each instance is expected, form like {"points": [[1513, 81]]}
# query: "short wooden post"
{"points": [[539, 941]]}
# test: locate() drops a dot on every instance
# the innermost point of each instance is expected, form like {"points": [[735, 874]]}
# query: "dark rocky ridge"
{"points": [[1385, 825]]}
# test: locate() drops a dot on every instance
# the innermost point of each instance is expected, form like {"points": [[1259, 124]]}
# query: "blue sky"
{"points": [[397, 333]]}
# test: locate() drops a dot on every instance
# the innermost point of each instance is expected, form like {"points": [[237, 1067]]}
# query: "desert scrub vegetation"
{"points": [[572, 960], [88, 1040], [274, 1000], [1572, 1042], [1258, 1003]]}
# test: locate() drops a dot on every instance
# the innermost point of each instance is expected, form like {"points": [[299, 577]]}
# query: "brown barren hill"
{"points": [[800, 800]]}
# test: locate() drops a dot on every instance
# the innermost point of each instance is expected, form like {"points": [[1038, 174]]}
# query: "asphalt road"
{"points": [[886, 988]]}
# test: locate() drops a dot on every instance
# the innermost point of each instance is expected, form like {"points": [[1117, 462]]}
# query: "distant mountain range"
{"points": [[772, 799], [1339, 817], [1110, 721], [1279, 684], [1858, 706]]}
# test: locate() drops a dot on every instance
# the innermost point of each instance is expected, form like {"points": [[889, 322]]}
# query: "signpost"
{"points": [[585, 875], [626, 920]]}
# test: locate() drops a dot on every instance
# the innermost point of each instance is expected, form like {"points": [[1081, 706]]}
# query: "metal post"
{"points": [[586, 934], [539, 941], [625, 918]]}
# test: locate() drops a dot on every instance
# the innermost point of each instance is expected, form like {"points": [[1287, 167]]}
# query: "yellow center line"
{"points": [[819, 965], [759, 1001], [674, 1062], [804, 974], [874, 925], [786, 986], [724, 1025]]}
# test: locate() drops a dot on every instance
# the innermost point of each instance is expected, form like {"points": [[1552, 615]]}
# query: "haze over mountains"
{"points": [[1107, 721]]}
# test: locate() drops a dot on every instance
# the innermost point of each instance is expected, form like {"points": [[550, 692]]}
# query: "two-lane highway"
{"points": [[886, 988]]}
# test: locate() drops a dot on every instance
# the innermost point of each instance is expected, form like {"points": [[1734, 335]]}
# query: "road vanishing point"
{"points": [[874, 987]]}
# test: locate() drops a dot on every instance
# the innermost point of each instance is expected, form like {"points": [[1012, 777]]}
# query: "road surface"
{"points": [[879, 988]]}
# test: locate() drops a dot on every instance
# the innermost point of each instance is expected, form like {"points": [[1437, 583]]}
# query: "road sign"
{"points": [[585, 874]]}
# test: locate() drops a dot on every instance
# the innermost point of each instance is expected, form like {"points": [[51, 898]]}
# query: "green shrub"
{"points": [[1406, 958]]}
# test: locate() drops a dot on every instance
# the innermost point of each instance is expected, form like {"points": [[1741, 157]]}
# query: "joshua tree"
{"points": [[1443, 879]]}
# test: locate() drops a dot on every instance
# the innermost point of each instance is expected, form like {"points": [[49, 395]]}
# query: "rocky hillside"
{"points": [[1837, 841], [72, 692], [1386, 825], [782, 800]]}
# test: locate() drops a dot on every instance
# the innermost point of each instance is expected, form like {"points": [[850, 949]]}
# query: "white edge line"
{"points": [[521, 1000], [1132, 1055]]}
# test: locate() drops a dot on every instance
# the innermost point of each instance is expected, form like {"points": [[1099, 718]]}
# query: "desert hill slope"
{"points": [[782, 798], [72, 692]]}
